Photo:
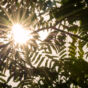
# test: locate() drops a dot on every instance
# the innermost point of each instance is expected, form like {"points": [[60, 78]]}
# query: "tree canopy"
{"points": [[58, 61]]}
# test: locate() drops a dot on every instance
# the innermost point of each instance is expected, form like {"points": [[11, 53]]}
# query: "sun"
{"points": [[20, 35]]}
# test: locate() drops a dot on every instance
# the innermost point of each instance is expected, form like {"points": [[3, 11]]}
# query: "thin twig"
{"points": [[65, 32], [70, 34]]}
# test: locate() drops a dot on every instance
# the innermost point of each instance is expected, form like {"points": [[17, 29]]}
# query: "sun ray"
{"points": [[19, 15], [23, 15], [8, 15], [27, 21]]}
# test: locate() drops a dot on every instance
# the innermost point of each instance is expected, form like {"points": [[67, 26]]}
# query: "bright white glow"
{"points": [[43, 34], [20, 35]]}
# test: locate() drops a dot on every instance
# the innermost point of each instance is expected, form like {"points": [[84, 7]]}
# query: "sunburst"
{"points": [[20, 27]]}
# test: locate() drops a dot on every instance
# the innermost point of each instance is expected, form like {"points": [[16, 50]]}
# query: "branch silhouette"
{"points": [[60, 30]]}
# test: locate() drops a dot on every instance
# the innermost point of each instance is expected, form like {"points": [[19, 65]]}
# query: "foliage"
{"points": [[59, 61]]}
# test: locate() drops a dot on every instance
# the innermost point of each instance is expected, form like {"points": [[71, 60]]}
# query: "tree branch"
{"points": [[65, 32], [70, 34]]}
